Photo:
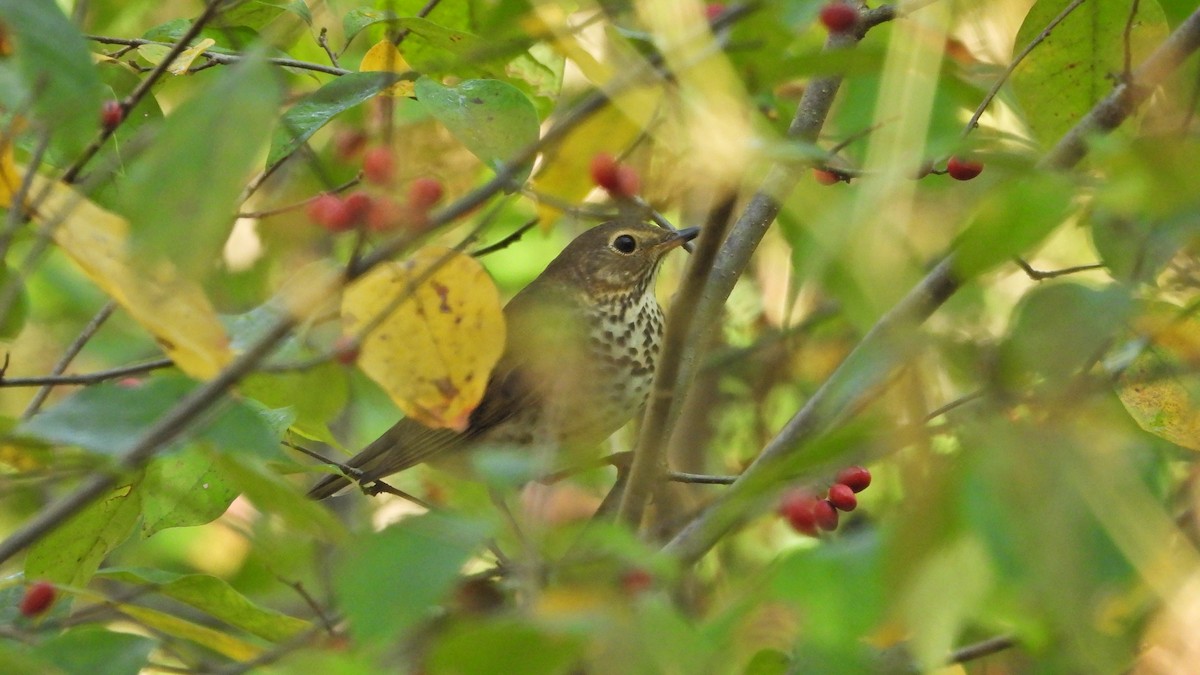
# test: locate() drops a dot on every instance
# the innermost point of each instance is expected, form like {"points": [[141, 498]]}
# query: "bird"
{"points": [[582, 341]]}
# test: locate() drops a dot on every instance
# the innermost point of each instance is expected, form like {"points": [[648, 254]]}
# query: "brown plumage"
{"points": [[583, 339]]}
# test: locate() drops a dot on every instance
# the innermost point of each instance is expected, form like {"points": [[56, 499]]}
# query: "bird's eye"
{"points": [[624, 244]]}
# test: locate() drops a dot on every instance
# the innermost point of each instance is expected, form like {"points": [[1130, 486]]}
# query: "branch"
{"points": [[72, 351], [849, 387]]}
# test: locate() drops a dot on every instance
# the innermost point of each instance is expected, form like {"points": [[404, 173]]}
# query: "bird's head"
{"points": [[617, 257]]}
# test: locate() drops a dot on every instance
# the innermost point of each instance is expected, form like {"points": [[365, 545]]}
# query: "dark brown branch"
{"points": [[217, 58], [1041, 275], [982, 649]]}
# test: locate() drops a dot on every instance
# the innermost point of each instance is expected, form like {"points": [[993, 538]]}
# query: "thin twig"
{"points": [[1040, 275], [507, 241], [300, 204], [217, 57], [1127, 67], [699, 478], [982, 649], [68, 356], [87, 378], [996, 86], [952, 405]]}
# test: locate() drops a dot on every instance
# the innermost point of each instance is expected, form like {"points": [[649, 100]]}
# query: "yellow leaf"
{"points": [[173, 309], [10, 179], [384, 57], [1159, 402], [430, 348], [183, 62]]}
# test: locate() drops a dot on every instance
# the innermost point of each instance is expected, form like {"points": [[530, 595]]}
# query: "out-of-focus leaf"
{"points": [[183, 489], [110, 418], [384, 57], [187, 183], [72, 552], [315, 395], [313, 111], [57, 74], [435, 344], [1162, 403], [257, 14], [504, 646], [172, 309], [1012, 219], [271, 494], [81, 650], [417, 560], [14, 312], [216, 598], [1072, 69], [493, 119], [1058, 329], [220, 642]]}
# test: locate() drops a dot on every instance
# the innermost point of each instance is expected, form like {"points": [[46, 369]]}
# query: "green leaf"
{"points": [[72, 552], [313, 111], [1068, 73], [493, 119], [180, 195], [1014, 217], [89, 650], [57, 74], [417, 560], [183, 489], [215, 597], [504, 646], [315, 395], [16, 311], [1060, 328], [273, 495], [256, 14], [110, 418]]}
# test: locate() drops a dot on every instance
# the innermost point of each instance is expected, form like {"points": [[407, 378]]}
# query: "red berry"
{"points": [[842, 497], [712, 10], [963, 169], [130, 382], [825, 515], [797, 507], [38, 598], [604, 171], [358, 204], [111, 114], [838, 17], [424, 193], [330, 212], [379, 166], [628, 182], [825, 177], [857, 478], [345, 350], [636, 581]]}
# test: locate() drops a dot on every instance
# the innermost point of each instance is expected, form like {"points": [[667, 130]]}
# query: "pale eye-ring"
{"points": [[624, 243]]}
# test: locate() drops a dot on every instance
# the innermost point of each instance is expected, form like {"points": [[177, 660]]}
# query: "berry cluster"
{"points": [[809, 514], [337, 213]]}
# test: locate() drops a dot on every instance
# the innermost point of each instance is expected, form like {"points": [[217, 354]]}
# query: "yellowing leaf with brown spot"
{"points": [[1160, 402], [434, 329], [384, 57], [171, 308]]}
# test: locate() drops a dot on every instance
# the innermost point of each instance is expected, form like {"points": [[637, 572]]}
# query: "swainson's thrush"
{"points": [[583, 339]]}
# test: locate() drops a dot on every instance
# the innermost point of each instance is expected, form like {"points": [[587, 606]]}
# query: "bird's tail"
{"points": [[406, 444]]}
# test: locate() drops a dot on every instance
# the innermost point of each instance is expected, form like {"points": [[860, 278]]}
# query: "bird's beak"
{"points": [[681, 237]]}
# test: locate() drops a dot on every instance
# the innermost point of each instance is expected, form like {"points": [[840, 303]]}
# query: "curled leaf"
{"points": [[433, 329]]}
